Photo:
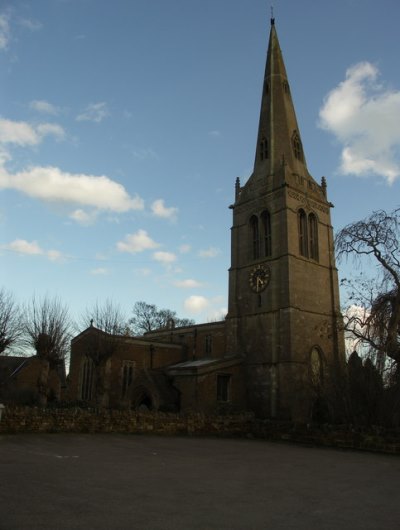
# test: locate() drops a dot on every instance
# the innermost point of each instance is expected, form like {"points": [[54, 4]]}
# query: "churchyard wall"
{"points": [[76, 420]]}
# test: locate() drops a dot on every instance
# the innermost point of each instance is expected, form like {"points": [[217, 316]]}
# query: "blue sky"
{"points": [[124, 124]]}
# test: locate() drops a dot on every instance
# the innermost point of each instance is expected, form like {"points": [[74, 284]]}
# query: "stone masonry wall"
{"points": [[76, 420]]}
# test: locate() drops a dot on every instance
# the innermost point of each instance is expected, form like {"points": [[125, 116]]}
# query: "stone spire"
{"points": [[278, 133]]}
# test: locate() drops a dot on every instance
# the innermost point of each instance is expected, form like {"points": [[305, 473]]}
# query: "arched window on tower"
{"points": [[302, 229], [266, 223], [297, 149], [313, 236], [264, 149], [255, 237]]}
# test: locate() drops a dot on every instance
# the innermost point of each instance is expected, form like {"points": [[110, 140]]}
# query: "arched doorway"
{"points": [[144, 403], [319, 404]]}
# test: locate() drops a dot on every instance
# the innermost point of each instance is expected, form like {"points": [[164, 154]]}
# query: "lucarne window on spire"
{"points": [[286, 87], [298, 151]]}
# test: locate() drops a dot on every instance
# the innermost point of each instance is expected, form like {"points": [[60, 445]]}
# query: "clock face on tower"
{"points": [[259, 278]]}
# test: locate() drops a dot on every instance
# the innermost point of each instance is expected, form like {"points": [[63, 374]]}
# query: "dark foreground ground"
{"points": [[152, 483]]}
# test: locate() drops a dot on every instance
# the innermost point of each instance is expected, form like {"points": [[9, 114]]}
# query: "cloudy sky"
{"points": [[124, 124]]}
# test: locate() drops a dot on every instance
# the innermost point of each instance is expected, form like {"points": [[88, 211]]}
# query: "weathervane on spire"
{"points": [[272, 15]]}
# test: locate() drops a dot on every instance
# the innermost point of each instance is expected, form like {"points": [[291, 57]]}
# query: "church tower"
{"points": [[284, 315]]}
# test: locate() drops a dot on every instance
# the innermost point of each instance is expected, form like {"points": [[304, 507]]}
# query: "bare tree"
{"points": [[47, 328], [11, 326], [147, 317], [109, 325], [377, 322], [107, 316]]}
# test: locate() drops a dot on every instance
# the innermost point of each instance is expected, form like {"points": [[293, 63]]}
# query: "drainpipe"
{"points": [[2, 407]]}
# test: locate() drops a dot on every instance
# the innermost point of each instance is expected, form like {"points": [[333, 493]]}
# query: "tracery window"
{"points": [[127, 377], [302, 229], [87, 379], [298, 151], [308, 235], [266, 223], [313, 236], [255, 237]]}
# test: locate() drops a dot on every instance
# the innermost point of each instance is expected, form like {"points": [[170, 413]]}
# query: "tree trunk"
{"points": [[43, 382]]}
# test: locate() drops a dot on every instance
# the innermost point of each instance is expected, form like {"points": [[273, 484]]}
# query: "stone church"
{"points": [[281, 337]]}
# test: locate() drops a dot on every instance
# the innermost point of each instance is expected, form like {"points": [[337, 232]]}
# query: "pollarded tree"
{"points": [[147, 317], [47, 330], [377, 324], [11, 325]]}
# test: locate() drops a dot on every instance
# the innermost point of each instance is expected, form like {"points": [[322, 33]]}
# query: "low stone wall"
{"points": [[76, 420], [374, 439], [26, 419]]}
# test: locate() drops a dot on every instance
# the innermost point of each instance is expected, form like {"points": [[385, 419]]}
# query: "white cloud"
{"points": [[82, 217], [25, 247], [364, 117], [100, 271], [18, 133], [160, 210], [187, 284], [214, 133], [137, 242], [196, 304], [210, 309], [54, 255], [33, 25], [144, 271], [45, 107], [217, 314], [54, 129], [4, 156], [95, 112], [144, 153], [164, 257], [210, 252], [184, 249], [4, 31], [23, 134], [32, 248], [50, 184]]}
